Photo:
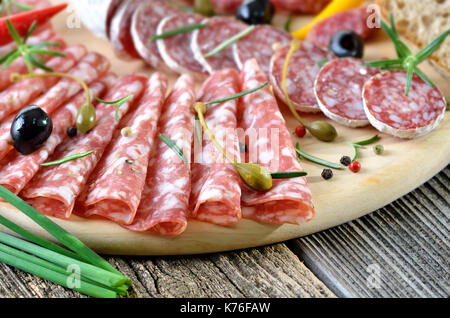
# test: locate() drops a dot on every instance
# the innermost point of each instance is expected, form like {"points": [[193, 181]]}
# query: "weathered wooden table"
{"points": [[401, 250]]}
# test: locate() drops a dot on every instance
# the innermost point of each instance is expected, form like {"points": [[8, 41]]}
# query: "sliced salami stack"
{"points": [[289, 200], [115, 187], [164, 206], [216, 191], [301, 73], [54, 190]]}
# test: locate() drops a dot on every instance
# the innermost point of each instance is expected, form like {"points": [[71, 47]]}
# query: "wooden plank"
{"points": [[272, 271], [406, 240]]}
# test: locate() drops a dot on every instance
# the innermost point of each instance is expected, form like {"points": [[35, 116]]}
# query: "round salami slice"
{"points": [[301, 6], [302, 71], [355, 20], [205, 40], [119, 34], [96, 14], [144, 24], [259, 45], [390, 111], [176, 50], [338, 90]]}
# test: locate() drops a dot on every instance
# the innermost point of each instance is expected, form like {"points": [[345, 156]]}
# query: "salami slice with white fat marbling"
{"points": [[269, 144], [95, 14], [114, 189], [215, 195], [54, 189], [164, 206], [390, 111], [176, 50], [356, 20], [120, 33], [205, 40], [144, 25], [90, 67], [19, 94], [338, 90], [259, 44], [301, 74], [16, 170]]}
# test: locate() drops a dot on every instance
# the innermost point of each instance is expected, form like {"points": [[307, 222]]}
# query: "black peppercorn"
{"points": [[72, 131], [346, 161], [327, 174]]}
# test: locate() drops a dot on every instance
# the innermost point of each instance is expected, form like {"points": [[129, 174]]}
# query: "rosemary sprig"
{"points": [[322, 62], [5, 6], [68, 158], [184, 29], [287, 24], [237, 95], [118, 103], [172, 145], [361, 144], [229, 41], [322, 162], [29, 53], [288, 174], [406, 60]]}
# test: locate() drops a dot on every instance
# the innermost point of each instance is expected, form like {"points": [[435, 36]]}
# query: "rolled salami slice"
{"points": [[356, 20], [301, 6], [16, 170], [90, 67], [216, 193], [269, 144], [176, 50], [144, 24], [114, 188], [338, 90], [164, 203], [19, 94], [301, 74], [120, 29], [259, 45], [54, 189], [391, 112], [96, 14], [204, 40]]}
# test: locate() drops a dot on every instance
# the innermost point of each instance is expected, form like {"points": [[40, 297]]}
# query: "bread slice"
{"points": [[419, 22]]}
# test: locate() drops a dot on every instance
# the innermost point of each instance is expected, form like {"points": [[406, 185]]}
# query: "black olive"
{"points": [[346, 44], [255, 12], [30, 129], [72, 131]]}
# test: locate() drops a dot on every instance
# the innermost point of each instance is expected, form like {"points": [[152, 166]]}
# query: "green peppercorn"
{"points": [[378, 149]]}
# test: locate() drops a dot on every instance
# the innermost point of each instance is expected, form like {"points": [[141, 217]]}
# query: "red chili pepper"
{"points": [[355, 166], [300, 131], [23, 21]]}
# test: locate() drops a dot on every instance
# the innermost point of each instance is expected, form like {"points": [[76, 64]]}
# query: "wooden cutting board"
{"points": [[404, 166]]}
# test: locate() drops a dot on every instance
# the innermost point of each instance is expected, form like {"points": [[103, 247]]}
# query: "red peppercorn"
{"points": [[300, 131], [355, 166]]}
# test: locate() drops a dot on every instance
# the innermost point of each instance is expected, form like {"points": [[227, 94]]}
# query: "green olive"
{"points": [[204, 7], [255, 176], [322, 130], [85, 120]]}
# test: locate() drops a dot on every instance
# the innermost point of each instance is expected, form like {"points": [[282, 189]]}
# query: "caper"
{"points": [[322, 130], [204, 7], [255, 176], [85, 118]]}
